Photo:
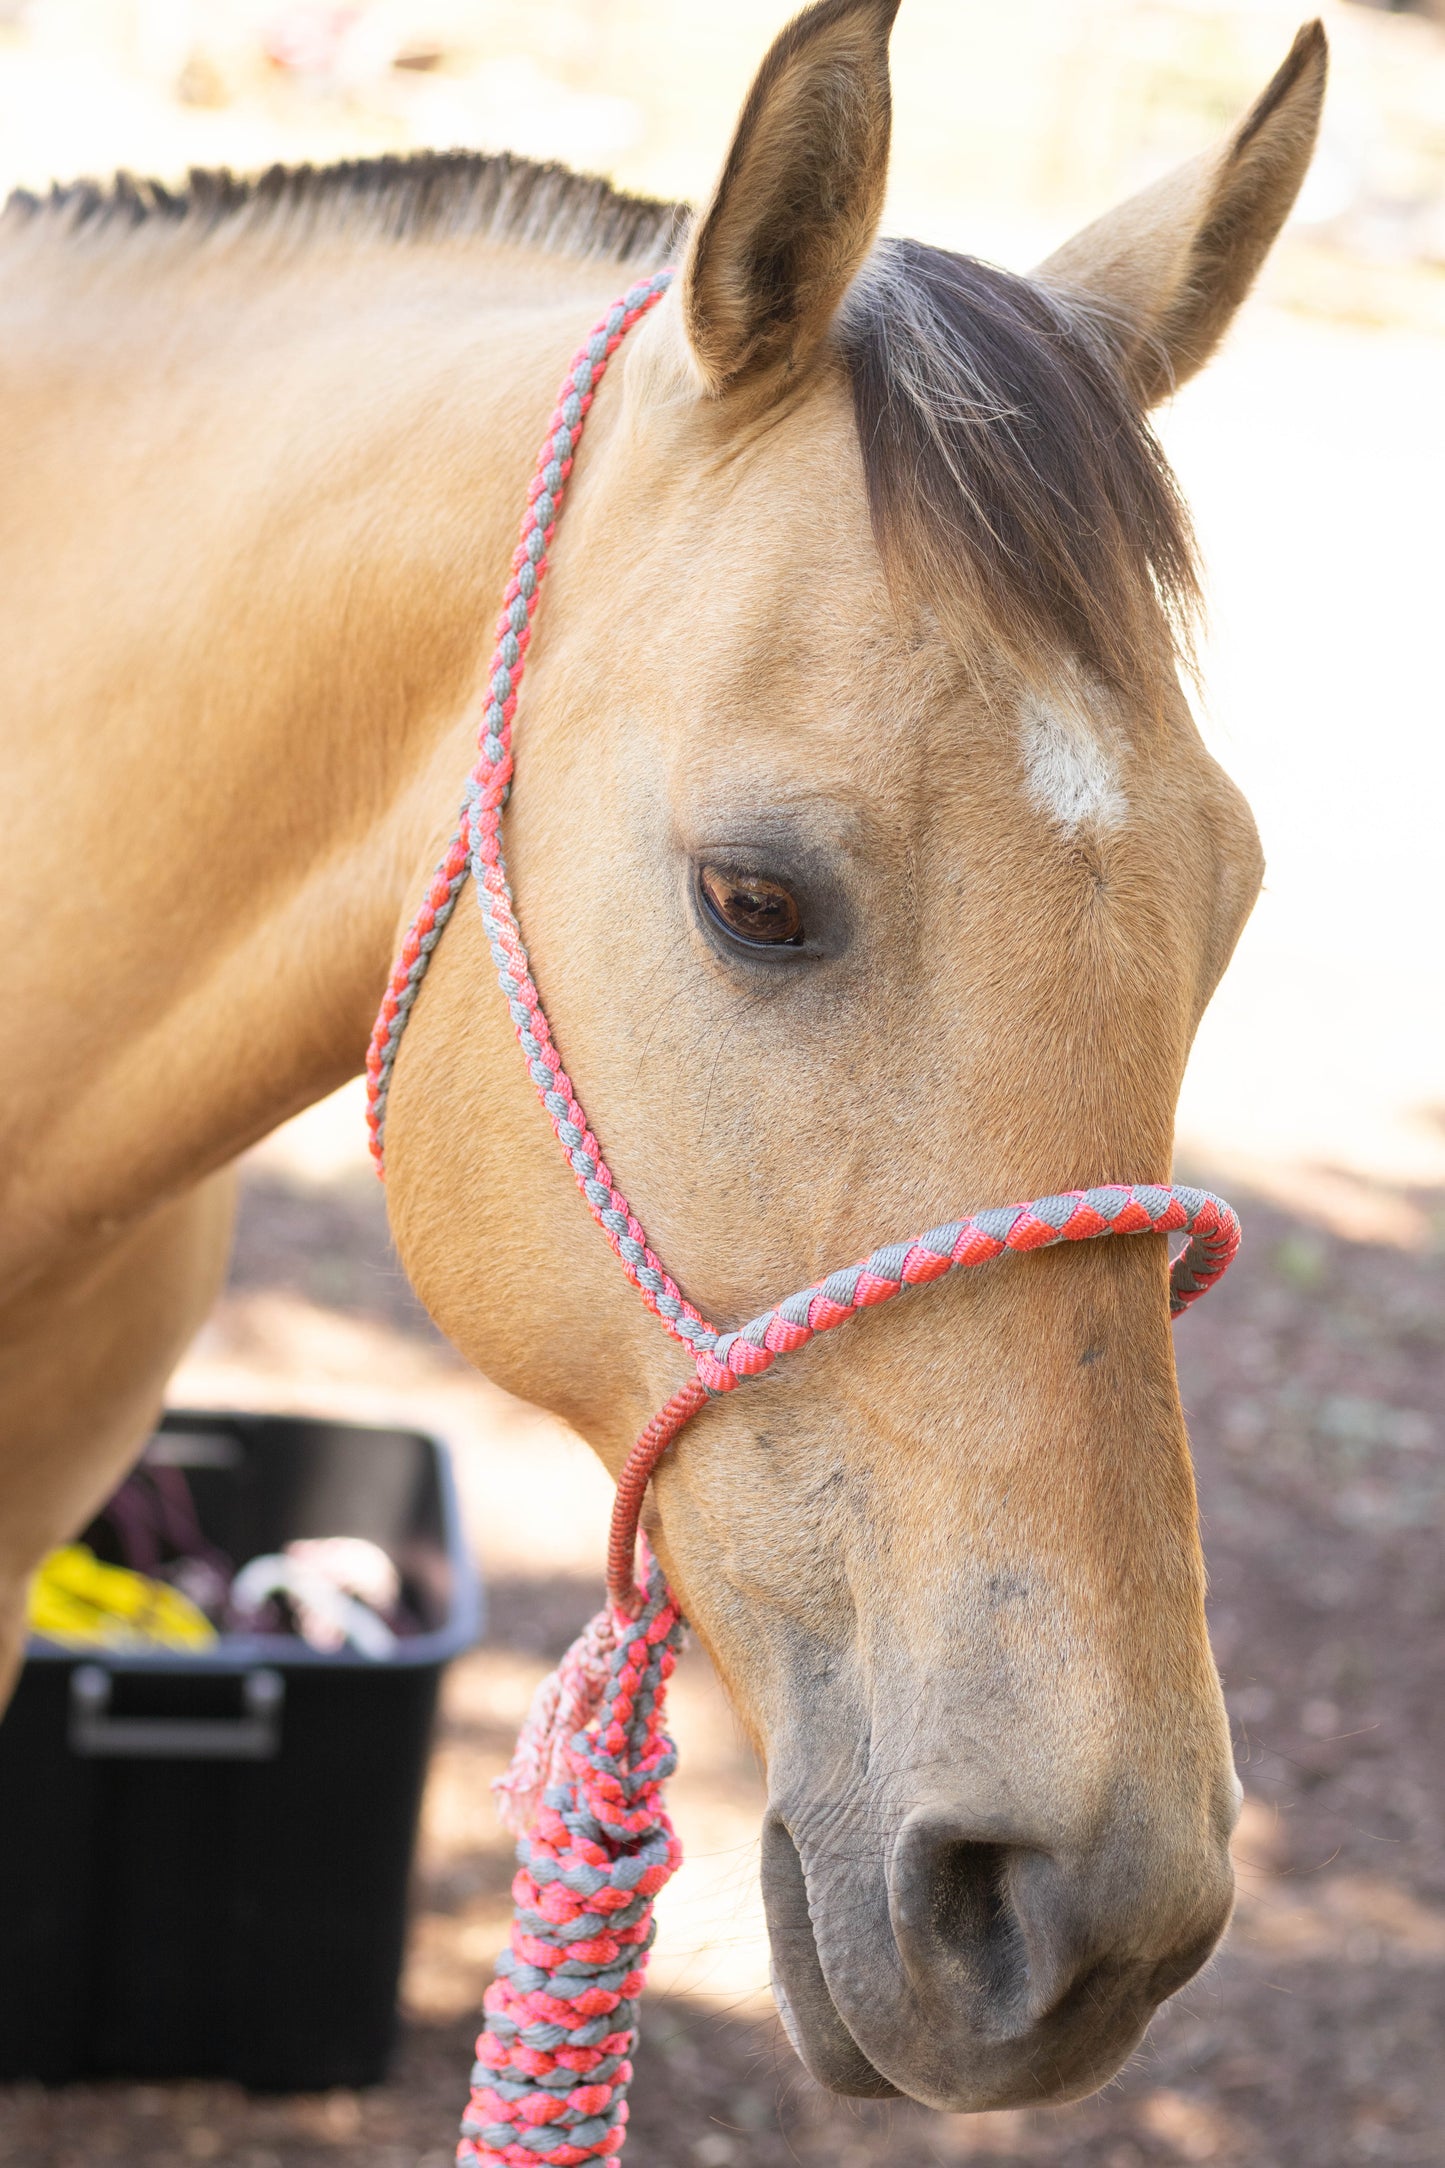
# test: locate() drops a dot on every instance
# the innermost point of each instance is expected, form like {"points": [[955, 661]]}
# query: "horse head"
{"points": [[873, 870]]}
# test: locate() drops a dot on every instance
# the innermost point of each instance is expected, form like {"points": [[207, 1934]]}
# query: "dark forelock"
{"points": [[1009, 465]]}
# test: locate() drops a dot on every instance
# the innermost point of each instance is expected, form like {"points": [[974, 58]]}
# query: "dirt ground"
{"points": [[1314, 1380]]}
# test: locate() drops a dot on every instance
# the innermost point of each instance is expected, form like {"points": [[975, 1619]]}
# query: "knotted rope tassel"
{"points": [[554, 2064]]}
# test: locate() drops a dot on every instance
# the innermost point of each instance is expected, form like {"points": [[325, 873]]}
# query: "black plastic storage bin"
{"points": [[204, 1857]]}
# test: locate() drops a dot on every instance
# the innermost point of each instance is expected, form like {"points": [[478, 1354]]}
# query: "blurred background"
{"points": [[1313, 453]]}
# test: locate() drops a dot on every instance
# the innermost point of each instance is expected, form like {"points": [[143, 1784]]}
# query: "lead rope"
{"points": [[584, 1790]]}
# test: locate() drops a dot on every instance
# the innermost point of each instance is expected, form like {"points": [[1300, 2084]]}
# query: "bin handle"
{"points": [[95, 1733]]}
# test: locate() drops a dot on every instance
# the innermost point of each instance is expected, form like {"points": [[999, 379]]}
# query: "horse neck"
{"points": [[260, 509]]}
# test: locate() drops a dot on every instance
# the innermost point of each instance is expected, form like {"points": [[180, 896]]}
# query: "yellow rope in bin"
{"points": [[76, 1597]]}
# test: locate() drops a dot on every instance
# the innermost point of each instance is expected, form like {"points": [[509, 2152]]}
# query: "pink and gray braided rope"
{"points": [[554, 2063], [529, 2111]]}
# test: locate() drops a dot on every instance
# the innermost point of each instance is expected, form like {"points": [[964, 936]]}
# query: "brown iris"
{"points": [[753, 908]]}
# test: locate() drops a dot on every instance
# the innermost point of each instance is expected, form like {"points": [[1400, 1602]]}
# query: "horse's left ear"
{"points": [[796, 208], [1168, 269]]}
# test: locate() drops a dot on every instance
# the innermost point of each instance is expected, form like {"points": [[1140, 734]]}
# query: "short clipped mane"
{"points": [[1009, 466], [433, 194]]}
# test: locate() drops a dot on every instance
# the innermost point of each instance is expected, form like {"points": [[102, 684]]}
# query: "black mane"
{"points": [[429, 193]]}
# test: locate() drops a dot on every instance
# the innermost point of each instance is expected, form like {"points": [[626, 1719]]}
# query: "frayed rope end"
{"points": [[565, 1703]]}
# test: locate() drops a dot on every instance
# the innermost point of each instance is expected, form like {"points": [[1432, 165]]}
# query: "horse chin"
{"points": [[820, 2039], [827, 2050], [829, 2053]]}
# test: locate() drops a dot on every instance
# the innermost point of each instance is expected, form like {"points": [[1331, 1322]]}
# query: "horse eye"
{"points": [[752, 908]]}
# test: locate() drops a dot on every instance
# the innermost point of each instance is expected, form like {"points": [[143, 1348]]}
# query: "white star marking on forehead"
{"points": [[1071, 773]]}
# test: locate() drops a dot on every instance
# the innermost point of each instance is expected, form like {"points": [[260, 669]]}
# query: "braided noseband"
{"points": [[584, 1789]]}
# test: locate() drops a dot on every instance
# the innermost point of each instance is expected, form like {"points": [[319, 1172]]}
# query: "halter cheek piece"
{"points": [[584, 1791]]}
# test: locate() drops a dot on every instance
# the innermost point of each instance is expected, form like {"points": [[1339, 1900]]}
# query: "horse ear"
{"points": [[1168, 269], [797, 205]]}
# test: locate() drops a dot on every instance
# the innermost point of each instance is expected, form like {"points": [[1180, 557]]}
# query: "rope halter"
{"points": [[584, 1792], [721, 1360]]}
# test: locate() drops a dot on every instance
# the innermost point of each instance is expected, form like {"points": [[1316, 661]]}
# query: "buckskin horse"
{"points": [[872, 868]]}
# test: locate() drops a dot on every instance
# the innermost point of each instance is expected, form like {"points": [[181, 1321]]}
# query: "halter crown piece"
{"points": [[584, 1792]]}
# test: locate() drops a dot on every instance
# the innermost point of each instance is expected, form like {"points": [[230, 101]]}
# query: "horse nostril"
{"points": [[955, 1919], [1008, 1937], [971, 1910]]}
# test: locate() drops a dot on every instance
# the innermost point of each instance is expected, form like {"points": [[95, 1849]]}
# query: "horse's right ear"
{"points": [[796, 208], [1167, 270]]}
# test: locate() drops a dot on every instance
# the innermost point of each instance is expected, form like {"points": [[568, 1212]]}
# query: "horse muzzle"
{"points": [[970, 1966]]}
